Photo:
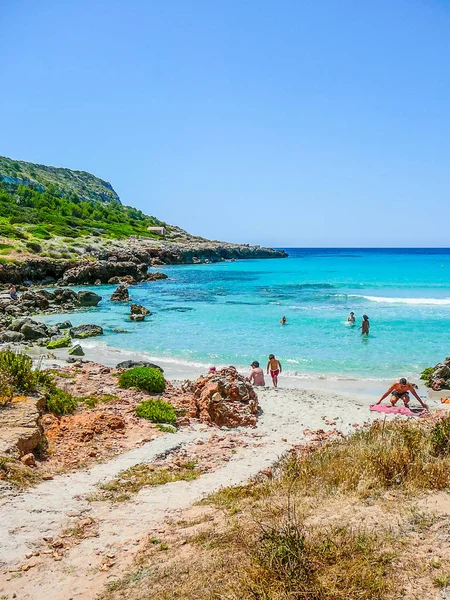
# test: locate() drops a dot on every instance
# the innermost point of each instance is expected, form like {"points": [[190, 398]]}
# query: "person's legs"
{"points": [[405, 399], [394, 399]]}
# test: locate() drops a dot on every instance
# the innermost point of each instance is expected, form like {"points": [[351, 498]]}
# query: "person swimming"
{"points": [[257, 374], [283, 321], [351, 318], [275, 369], [365, 325], [401, 389]]}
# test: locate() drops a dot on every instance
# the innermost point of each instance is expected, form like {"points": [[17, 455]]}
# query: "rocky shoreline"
{"points": [[130, 258]]}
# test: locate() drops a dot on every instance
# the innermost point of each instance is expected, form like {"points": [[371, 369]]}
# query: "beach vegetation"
{"points": [[143, 378], [60, 402], [17, 474], [139, 476], [17, 373], [156, 411], [62, 342], [426, 374]]}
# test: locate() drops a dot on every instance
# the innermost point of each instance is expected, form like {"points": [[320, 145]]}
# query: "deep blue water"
{"points": [[228, 313]]}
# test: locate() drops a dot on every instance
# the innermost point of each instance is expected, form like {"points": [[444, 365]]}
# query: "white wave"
{"points": [[417, 301]]}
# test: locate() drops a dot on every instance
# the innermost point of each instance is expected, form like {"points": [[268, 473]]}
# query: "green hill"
{"points": [[43, 202]]}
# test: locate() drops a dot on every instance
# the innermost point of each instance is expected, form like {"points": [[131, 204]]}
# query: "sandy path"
{"points": [[54, 505]]}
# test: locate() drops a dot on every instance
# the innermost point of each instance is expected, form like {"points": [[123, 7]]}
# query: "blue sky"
{"points": [[288, 122]]}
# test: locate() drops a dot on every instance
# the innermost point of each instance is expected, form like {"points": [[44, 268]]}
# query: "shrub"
{"points": [[156, 411], [17, 367], [143, 378], [61, 403], [426, 374], [440, 437], [34, 247], [6, 389]]}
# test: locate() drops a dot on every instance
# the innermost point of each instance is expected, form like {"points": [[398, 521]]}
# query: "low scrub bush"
{"points": [[440, 437], [426, 374], [61, 403], [143, 378], [16, 370], [6, 389], [156, 411]]}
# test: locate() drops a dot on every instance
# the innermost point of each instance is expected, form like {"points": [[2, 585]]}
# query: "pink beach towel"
{"points": [[397, 410]]}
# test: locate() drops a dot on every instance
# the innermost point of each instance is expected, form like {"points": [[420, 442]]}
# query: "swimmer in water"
{"points": [[351, 319], [283, 321], [365, 325]]}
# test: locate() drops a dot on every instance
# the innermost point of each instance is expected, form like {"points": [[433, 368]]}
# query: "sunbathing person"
{"points": [[256, 374], [401, 389]]}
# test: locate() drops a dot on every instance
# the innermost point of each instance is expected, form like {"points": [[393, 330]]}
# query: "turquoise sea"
{"points": [[228, 313]]}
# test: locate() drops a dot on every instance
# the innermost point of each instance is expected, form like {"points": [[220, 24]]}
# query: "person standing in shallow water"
{"points": [[351, 318], [365, 325], [283, 321], [275, 369]]}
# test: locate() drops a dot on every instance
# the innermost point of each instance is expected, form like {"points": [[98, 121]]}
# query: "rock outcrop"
{"points": [[87, 298], [222, 398], [61, 299], [121, 294], [20, 431], [130, 364], [85, 331], [438, 378], [138, 312], [103, 271]]}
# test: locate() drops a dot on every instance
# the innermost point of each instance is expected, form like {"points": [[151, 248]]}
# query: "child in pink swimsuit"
{"points": [[275, 369]]}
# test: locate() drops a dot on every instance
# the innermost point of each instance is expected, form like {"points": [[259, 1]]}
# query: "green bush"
{"points": [[143, 378], [34, 247], [17, 373], [426, 373], [156, 411], [440, 437], [61, 403]]}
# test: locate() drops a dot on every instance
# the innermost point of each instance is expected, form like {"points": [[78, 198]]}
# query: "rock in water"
{"points": [[156, 276], [121, 294], [85, 331], [63, 325], [87, 298], [130, 364], [137, 309], [77, 350]]}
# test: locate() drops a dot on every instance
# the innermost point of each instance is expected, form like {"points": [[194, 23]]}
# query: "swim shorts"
{"points": [[274, 373]]}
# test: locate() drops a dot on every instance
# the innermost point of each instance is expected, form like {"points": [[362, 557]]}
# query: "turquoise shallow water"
{"points": [[228, 313]]}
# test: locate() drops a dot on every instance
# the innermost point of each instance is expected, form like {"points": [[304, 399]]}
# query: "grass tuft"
{"points": [[143, 378], [156, 411]]}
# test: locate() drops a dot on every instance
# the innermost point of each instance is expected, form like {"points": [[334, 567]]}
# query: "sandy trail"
{"points": [[57, 504]]}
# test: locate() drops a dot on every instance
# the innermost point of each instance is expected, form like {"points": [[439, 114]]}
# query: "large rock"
{"points": [[87, 298], [103, 270], [85, 331], [77, 350], [65, 296], [121, 294], [137, 309], [19, 426], [439, 378], [11, 337], [222, 398], [34, 331], [63, 325], [130, 364], [126, 279], [156, 276]]}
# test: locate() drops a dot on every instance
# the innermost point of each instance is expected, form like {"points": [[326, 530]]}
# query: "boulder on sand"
{"points": [[77, 350], [11, 337], [34, 331], [87, 298], [85, 331], [121, 294], [438, 378], [223, 398]]}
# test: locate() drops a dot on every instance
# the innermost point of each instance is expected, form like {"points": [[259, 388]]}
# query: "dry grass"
{"points": [[134, 479], [342, 521], [17, 474]]}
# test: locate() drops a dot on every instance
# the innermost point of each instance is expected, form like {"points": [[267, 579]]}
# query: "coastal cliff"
{"points": [[70, 226]]}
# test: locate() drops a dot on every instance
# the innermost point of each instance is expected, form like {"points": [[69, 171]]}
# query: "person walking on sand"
{"points": [[351, 319], [275, 369], [283, 321], [401, 389], [257, 374], [365, 325]]}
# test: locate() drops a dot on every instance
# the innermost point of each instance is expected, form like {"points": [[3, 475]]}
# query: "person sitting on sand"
{"points": [[275, 369], [283, 321], [257, 374], [401, 389], [365, 325], [351, 318], [13, 293]]}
